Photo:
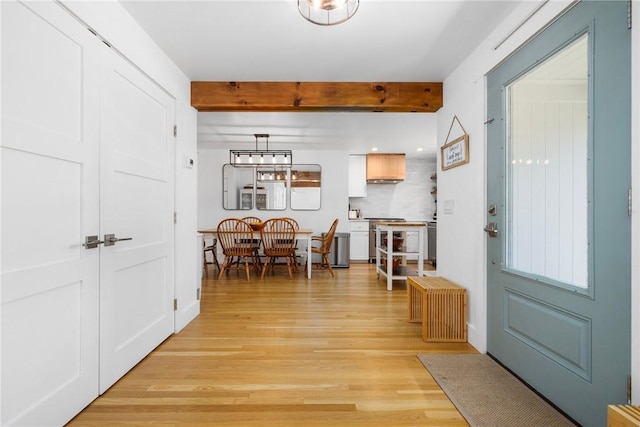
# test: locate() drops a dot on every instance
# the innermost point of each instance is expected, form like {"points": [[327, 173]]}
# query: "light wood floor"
{"points": [[319, 352]]}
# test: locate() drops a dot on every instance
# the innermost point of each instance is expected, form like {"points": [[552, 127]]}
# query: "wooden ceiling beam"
{"points": [[425, 97]]}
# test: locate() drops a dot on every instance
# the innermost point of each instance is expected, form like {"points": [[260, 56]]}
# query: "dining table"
{"points": [[301, 234]]}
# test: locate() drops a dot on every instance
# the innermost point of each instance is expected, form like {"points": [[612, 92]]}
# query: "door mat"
{"points": [[486, 394]]}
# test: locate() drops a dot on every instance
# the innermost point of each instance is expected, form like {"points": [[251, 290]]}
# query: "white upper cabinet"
{"points": [[358, 175]]}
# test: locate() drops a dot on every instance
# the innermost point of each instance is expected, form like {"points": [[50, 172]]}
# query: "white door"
{"points": [[136, 202], [49, 203]]}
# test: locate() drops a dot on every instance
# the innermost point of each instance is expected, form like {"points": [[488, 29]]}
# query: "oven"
{"points": [[372, 234]]}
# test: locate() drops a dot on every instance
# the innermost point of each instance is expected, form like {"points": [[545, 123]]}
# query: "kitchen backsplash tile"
{"points": [[410, 199]]}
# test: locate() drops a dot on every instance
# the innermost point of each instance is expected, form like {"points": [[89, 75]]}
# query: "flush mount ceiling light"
{"points": [[327, 12], [266, 157]]}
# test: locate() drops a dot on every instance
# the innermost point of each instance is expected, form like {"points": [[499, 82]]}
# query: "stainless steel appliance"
{"points": [[432, 228], [372, 234], [340, 248]]}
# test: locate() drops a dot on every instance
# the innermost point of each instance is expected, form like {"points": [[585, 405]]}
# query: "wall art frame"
{"points": [[456, 152]]}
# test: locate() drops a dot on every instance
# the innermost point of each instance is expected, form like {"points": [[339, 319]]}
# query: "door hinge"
{"points": [[198, 294], [629, 202], [175, 130], [175, 304], [628, 389], [175, 217], [629, 23]]}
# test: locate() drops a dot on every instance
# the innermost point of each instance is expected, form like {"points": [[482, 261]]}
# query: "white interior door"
{"points": [[136, 202], [49, 203]]}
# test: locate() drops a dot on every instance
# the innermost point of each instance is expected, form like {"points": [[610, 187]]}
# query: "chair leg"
{"points": [[265, 265], [215, 256], [246, 267], [225, 264], [204, 264], [289, 262], [326, 260], [256, 260]]}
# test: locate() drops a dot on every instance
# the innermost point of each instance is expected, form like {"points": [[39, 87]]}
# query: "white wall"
{"points": [[335, 191]]}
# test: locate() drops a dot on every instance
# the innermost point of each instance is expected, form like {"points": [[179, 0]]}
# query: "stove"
{"points": [[372, 234]]}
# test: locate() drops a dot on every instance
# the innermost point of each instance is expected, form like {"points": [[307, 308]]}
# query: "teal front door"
{"points": [[558, 222]]}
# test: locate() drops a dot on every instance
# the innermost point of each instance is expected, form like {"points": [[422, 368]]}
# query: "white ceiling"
{"points": [[268, 40]]}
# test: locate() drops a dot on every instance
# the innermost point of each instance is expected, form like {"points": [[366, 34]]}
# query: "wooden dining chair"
{"points": [[235, 237], [278, 240], [252, 220], [324, 247], [294, 256], [213, 249], [256, 224]]}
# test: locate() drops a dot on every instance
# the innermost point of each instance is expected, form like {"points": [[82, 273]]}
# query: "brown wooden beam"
{"points": [[423, 97]]}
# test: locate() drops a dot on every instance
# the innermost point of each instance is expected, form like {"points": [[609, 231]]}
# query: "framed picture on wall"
{"points": [[455, 153]]}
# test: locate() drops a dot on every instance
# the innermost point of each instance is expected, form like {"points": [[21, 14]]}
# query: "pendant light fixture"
{"points": [[327, 12], [257, 157]]}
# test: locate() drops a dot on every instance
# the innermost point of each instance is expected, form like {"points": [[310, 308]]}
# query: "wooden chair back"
{"points": [[327, 239], [278, 237], [325, 247], [294, 222], [235, 237], [252, 219]]}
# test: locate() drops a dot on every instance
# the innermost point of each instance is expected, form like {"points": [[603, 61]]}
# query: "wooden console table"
{"points": [[440, 305]]}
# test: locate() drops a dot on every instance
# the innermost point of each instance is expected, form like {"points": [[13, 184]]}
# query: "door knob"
{"points": [[492, 229], [111, 239]]}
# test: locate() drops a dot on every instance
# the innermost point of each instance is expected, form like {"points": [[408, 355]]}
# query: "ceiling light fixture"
{"points": [[327, 12], [244, 158]]}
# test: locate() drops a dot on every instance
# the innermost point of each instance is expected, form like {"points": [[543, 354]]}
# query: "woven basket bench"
{"points": [[440, 305], [623, 416]]}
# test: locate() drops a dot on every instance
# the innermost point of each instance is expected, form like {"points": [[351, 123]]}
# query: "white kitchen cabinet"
{"points": [[359, 244], [357, 176]]}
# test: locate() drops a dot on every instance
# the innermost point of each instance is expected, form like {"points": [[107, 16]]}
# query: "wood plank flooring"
{"points": [[279, 352]]}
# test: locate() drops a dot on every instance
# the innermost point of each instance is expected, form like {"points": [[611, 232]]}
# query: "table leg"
{"points": [[309, 257]]}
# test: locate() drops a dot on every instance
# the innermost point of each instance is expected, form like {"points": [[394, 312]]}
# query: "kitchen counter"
{"points": [[402, 223]]}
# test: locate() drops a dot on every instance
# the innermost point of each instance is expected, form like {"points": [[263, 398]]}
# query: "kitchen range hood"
{"points": [[383, 168]]}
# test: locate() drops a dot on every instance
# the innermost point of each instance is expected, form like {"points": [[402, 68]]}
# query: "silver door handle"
{"points": [[111, 239], [92, 242], [492, 229]]}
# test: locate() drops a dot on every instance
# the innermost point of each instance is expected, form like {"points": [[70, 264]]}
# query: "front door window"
{"points": [[547, 178]]}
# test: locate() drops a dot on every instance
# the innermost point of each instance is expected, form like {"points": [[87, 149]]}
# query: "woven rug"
{"points": [[486, 394]]}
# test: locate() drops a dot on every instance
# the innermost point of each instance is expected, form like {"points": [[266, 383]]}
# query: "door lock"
{"points": [[92, 242], [492, 229], [111, 239], [493, 210]]}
